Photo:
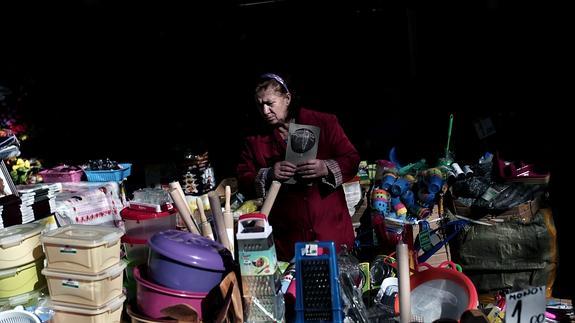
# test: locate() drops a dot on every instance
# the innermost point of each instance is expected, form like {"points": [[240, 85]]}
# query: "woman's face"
{"points": [[273, 105]]}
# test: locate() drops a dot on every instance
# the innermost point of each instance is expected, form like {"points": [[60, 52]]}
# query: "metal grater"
{"points": [[318, 297], [316, 291]]}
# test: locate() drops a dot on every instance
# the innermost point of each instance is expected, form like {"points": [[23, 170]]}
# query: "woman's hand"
{"points": [[283, 170], [313, 168]]}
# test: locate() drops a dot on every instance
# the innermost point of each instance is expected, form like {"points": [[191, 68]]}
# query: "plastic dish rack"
{"points": [[317, 285], [116, 175]]}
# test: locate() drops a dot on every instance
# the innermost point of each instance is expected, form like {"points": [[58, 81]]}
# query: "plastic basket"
{"points": [[62, 174], [18, 315], [116, 175]]}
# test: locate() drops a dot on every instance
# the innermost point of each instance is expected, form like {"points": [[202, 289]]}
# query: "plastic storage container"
{"points": [[26, 299], [23, 279], [142, 224], [175, 256], [136, 249], [91, 290], [62, 174], [82, 249], [110, 312], [152, 298], [20, 244]]}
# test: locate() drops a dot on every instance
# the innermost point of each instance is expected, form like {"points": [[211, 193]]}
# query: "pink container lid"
{"points": [[131, 214], [139, 274]]}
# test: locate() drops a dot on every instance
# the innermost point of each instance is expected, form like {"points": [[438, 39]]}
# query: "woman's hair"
{"points": [[278, 84], [274, 81]]}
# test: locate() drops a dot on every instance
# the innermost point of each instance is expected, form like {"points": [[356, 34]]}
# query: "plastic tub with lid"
{"points": [[23, 279], [110, 312], [136, 249], [26, 299], [187, 261], [90, 290], [142, 225], [82, 248], [20, 244]]}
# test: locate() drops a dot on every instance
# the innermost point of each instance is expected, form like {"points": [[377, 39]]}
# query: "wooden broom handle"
{"points": [[205, 224], [219, 218], [271, 197], [183, 210]]}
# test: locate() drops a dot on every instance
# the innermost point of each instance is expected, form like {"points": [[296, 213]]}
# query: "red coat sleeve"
{"points": [[342, 150]]}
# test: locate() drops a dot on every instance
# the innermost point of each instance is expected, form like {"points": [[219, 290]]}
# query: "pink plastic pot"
{"points": [[152, 298]]}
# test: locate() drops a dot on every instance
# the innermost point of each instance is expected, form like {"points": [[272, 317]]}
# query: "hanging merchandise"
{"points": [[197, 174]]}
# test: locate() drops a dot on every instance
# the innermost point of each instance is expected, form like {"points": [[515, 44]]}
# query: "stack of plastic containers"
{"points": [[21, 261], [261, 277], [182, 268], [150, 212], [84, 273]]}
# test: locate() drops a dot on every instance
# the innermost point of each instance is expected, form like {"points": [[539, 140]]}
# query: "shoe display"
{"points": [[520, 172]]}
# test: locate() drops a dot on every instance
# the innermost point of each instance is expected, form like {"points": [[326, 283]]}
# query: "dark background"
{"points": [[142, 81]]}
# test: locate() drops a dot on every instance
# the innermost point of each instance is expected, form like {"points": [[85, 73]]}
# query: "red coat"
{"points": [[303, 212]]}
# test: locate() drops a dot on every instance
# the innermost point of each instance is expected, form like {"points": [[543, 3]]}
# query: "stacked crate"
{"points": [[84, 273], [21, 260]]}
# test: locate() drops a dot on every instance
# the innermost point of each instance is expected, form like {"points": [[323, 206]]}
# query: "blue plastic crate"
{"points": [[317, 283], [116, 175]]}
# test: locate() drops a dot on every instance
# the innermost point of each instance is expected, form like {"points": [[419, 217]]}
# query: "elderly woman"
{"points": [[314, 208]]}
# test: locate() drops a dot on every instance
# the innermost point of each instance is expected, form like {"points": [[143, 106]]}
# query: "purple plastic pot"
{"points": [[185, 261], [152, 298]]}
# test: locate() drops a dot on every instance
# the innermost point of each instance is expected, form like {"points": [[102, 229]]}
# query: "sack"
{"points": [[509, 255]]}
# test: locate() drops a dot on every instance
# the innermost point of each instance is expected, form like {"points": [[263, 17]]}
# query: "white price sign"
{"points": [[526, 306]]}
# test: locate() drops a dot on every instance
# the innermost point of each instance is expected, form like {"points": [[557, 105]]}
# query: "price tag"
{"points": [[310, 250], [526, 306]]}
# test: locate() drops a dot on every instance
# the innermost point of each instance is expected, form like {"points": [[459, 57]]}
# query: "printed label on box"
{"points": [[68, 250], [258, 263], [71, 283]]}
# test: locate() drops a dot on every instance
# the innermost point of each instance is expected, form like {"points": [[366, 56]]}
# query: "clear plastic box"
{"points": [[143, 225]]}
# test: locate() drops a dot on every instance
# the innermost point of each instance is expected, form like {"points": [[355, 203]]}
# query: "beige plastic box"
{"points": [[91, 290], [20, 244], [110, 312], [83, 249]]}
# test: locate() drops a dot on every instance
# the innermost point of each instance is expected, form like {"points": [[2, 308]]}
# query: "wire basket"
{"points": [[116, 175]]}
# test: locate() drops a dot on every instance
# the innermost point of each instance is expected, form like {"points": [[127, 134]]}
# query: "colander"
{"points": [[18, 315]]}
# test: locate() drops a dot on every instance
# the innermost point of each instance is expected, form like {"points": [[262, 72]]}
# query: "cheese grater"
{"points": [[259, 268], [317, 289]]}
